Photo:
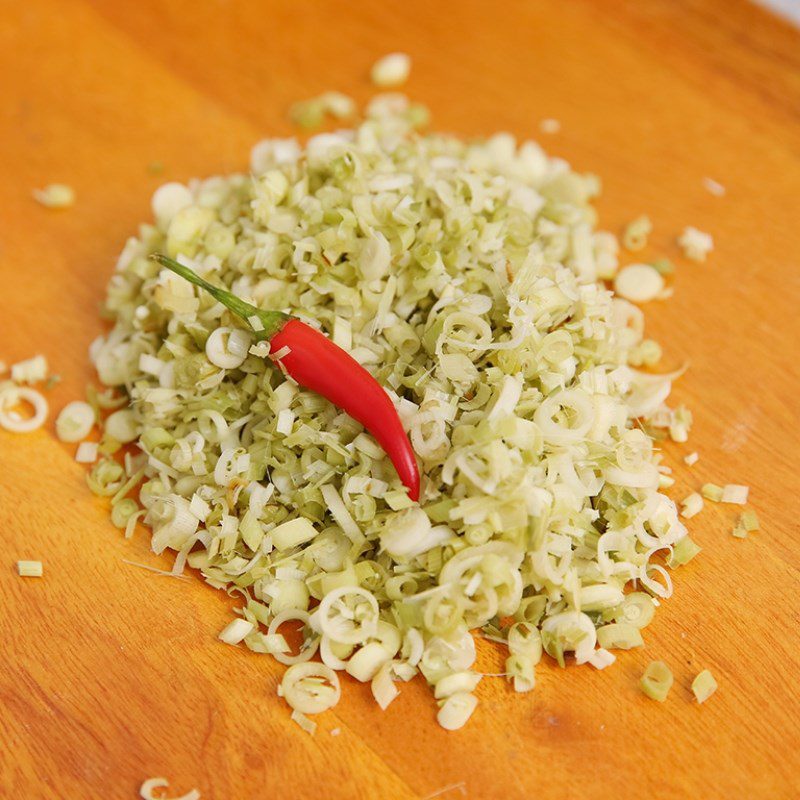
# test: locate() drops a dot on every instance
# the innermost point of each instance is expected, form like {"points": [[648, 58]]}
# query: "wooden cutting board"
{"points": [[110, 674]]}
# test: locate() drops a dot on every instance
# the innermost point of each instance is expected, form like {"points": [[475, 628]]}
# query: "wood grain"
{"points": [[111, 674]]}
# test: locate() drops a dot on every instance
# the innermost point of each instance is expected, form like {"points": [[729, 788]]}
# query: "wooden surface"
{"points": [[110, 674]]}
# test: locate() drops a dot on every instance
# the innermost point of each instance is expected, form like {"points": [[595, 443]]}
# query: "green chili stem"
{"points": [[272, 321]]}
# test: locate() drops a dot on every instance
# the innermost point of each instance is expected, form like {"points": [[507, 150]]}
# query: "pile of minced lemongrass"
{"points": [[470, 280]]}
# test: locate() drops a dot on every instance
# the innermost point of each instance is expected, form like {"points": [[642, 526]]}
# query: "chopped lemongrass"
{"points": [[75, 421], [236, 631], [634, 237], [30, 569], [636, 609], [734, 493], [55, 195], [310, 688], [691, 459], [695, 244], [704, 685], [335, 731], [638, 283], [32, 370], [619, 636], [691, 505], [391, 70], [749, 521], [456, 710], [308, 725], [86, 453], [151, 784], [739, 531], [468, 278], [10, 419], [550, 126], [602, 658], [682, 552], [712, 492], [713, 187], [656, 681]]}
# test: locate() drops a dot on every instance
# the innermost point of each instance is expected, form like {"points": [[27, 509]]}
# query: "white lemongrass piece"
{"points": [[602, 658], [292, 533], [122, 426], [227, 347], [308, 725], [75, 421], [456, 710], [310, 688], [696, 244], [735, 493], [638, 283], [147, 789], [30, 569], [691, 459], [14, 422], [691, 505], [55, 195], [391, 70], [168, 200], [32, 370], [235, 631], [364, 664], [86, 452], [383, 687], [714, 187]]}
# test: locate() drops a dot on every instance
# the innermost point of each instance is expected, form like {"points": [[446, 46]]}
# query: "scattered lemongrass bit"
{"points": [[656, 681], [712, 492], [456, 710], [235, 631], [550, 126], [713, 187], [11, 420], [383, 687], [739, 531], [749, 521], [157, 571], [704, 685], [682, 552], [602, 658], [30, 569], [86, 453], [310, 688], [634, 236], [735, 494], [619, 636], [151, 784], [391, 70], [308, 725], [691, 505], [75, 421], [338, 105], [31, 370], [691, 459], [335, 731], [155, 167], [52, 381], [638, 283], [307, 114], [680, 423], [663, 266], [55, 195], [461, 786], [636, 609], [695, 244]]}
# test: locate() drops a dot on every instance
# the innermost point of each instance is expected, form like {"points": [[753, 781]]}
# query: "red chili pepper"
{"points": [[316, 363]]}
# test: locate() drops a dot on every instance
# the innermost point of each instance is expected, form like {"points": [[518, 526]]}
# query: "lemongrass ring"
{"points": [[357, 633], [309, 645], [311, 688], [12, 421]]}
